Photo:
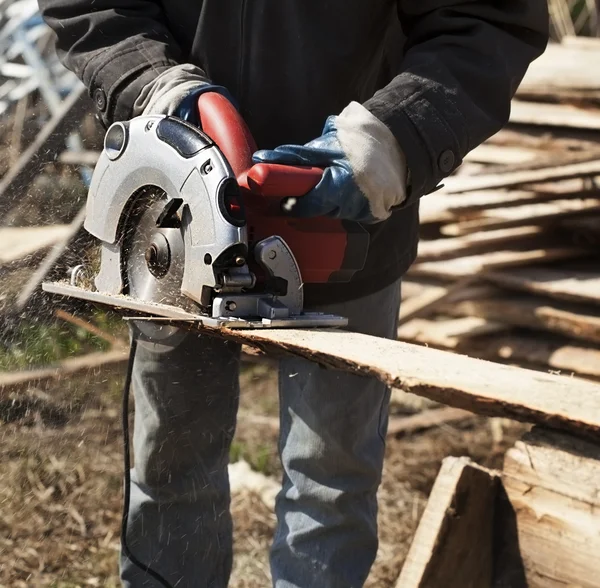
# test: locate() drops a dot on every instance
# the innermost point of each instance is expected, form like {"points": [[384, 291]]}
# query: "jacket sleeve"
{"points": [[115, 47], [462, 65]]}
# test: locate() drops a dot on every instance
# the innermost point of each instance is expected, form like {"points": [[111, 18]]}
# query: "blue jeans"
{"points": [[332, 444]]}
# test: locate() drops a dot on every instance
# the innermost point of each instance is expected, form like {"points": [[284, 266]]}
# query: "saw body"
{"points": [[185, 222]]}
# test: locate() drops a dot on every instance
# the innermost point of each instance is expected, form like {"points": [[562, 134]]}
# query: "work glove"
{"points": [[364, 174], [175, 93]]}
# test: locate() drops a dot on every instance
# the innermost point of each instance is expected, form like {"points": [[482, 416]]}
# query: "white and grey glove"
{"points": [[175, 91]]}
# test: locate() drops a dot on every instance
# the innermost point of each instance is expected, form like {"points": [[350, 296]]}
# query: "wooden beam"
{"points": [[427, 419], [462, 267], [553, 483], [555, 115], [484, 339], [453, 545], [577, 285], [436, 249], [529, 311], [458, 184], [478, 386], [529, 214]]}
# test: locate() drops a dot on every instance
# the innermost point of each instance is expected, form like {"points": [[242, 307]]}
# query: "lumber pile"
{"points": [[509, 266], [535, 523]]}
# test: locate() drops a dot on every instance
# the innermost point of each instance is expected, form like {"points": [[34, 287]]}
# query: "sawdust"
{"points": [[60, 485]]}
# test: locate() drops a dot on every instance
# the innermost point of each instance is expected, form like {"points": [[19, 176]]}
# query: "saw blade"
{"points": [[154, 260]]}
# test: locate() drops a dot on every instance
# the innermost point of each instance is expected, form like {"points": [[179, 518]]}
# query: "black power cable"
{"points": [[127, 475]]}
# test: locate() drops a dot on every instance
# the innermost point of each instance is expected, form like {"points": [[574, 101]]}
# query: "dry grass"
{"points": [[60, 486]]}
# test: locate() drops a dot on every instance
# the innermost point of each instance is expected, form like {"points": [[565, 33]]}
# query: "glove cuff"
{"points": [[378, 163], [168, 90]]}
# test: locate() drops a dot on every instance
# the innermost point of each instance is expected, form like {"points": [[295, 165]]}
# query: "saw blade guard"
{"points": [[164, 154]]}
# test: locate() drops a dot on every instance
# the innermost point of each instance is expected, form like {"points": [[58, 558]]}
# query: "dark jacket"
{"points": [[439, 73]]}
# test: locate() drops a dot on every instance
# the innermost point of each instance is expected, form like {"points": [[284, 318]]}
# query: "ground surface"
{"points": [[60, 482]]}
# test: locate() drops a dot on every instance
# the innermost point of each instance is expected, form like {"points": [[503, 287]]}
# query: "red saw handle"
{"points": [[223, 124]]}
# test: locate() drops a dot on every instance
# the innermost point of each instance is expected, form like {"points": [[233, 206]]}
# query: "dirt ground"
{"points": [[61, 467]]}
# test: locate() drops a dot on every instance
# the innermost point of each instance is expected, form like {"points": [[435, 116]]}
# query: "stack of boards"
{"points": [[509, 262]]}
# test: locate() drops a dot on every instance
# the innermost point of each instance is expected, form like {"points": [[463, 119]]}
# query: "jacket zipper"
{"points": [[242, 52]]}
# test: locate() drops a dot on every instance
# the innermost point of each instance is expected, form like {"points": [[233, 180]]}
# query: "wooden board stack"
{"points": [[509, 263]]}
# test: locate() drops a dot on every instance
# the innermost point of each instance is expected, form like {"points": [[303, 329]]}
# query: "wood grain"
{"points": [[553, 483]]}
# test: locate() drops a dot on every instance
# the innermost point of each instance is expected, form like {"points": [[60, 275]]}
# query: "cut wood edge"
{"points": [[453, 545]]}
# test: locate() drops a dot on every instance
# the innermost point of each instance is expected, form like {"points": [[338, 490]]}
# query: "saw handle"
{"points": [[222, 122]]}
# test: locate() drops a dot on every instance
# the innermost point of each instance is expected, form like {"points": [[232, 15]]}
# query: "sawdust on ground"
{"points": [[61, 468]]}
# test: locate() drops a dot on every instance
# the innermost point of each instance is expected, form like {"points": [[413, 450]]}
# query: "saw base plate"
{"points": [[164, 311]]}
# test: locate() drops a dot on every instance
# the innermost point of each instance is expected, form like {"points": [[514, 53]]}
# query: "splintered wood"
{"points": [[522, 214]]}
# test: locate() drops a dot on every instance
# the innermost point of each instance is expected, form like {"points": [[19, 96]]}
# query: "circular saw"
{"points": [[190, 229]]}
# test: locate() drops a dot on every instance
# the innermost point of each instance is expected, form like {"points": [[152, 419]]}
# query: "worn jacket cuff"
{"points": [[425, 136], [115, 89]]}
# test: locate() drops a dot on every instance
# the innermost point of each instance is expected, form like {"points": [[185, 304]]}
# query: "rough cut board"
{"points": [[478, 386], [453, 545], [528, 214], [566, 284], [553, 484], [441, 206], [478, 337], [557, 115], [564, 67], [457, 184], [573, 320], [502, 154], [444, 248], [462, 267], [19, 242]]}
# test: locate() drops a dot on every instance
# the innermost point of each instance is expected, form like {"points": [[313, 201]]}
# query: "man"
{"points": [[414, 85]]}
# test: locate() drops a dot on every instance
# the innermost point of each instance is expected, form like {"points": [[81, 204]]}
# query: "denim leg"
{"points": [[186, 401], [332, 444]]}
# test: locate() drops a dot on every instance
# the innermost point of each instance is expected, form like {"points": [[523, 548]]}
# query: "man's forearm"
{"points": [[463, 63]]}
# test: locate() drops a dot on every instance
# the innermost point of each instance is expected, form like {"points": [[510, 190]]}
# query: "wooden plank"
{"points": [[434, 296], [474, 385], [43, 150], [474, 242], [502, 154], [553, 483], [462, 267], [576, 321], [529, 214], [458, 184], [19, 242], [577, 285], [67, 367], [427, 419], [558, 115], [442, 206], [477, 337], [453, 545], [397, 425], [447, 333]]}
